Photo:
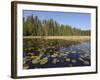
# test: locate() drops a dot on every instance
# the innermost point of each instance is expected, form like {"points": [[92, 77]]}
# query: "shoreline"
{"points": [[68, 38]]}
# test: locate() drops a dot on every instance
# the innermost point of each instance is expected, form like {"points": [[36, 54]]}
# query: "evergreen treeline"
{"points": [[33, 26]]}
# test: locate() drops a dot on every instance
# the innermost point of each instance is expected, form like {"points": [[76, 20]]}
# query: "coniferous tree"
{"points": [[33, 26]]}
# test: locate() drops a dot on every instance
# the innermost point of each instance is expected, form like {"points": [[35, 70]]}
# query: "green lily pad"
{"points": [[44, 60]]}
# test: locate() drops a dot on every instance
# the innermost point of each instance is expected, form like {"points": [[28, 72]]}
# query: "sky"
{"points": [[77, 20]]}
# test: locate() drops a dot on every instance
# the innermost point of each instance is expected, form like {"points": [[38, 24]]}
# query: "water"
{"points": [[66, 56]]}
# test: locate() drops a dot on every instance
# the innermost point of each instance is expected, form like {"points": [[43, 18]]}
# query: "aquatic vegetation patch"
{"points": [[49, 53]]}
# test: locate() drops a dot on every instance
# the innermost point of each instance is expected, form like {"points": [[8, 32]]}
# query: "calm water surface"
{"points": [[68, 56]]}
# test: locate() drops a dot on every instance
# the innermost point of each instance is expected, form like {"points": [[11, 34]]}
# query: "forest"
{"points": [[33, 26]]}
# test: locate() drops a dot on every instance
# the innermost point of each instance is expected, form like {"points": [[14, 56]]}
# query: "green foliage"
{"points": [[33, 26]]}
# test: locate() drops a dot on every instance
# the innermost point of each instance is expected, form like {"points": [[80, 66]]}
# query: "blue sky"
{"points": [[78, 20]]}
